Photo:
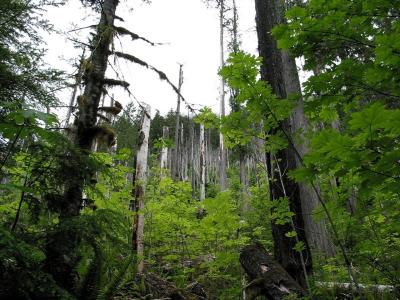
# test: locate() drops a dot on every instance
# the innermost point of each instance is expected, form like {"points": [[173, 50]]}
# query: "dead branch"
{"points": [[115, 82], [134, 36], [161, 74]]}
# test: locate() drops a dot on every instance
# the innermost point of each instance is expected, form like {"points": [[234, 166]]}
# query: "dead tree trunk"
{"points": [[181, 167], [164, 150], [202, 164], [175, 153], [140, 188], [192, 168], [267, 277], [240, 150], [269, 13], [222, 150]]}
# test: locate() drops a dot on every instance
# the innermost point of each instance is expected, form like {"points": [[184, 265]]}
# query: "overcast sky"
{"points": [[190, 31]]}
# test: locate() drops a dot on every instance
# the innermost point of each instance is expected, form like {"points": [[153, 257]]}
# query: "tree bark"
{"points": [[140, 188], [175, 153], [202, 165], [181, 155], [267, 277], [316, 232], [191, 163], [164, 150], [269, 13], [236, 106], [61, 257], [222, 150]]}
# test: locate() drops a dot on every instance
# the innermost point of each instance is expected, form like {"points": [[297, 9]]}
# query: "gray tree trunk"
{"points": [[202, 164], [316, 232], [175, 150], [268, 14], [182, 153], [140, 188], [164, 150], [192, 164], [222, 150], [235, 106]]}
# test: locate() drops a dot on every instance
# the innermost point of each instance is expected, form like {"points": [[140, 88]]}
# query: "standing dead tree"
{"points": [[221, 5], [164, 150], [176, 150], [140, 188], [202, 164], [222, 150]]}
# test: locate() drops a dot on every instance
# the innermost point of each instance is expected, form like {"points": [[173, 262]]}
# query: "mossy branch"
{"points": [[115, 82], [134, 36], [161, 74]]}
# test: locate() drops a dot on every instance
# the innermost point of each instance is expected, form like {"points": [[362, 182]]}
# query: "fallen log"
{"points": [[267, 277], [150, 286], [377, 291]]}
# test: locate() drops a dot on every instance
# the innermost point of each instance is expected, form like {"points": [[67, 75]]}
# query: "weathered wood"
{"points": [[191, 162], [151, 286], [267, 277], [222, 150], [181, 167], [175, 150], [202, 164], [164, 150], [140, 188]]}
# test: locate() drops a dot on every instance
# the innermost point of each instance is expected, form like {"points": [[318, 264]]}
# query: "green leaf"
{"points": [[291, 234], [299, 246], [19, 119]]}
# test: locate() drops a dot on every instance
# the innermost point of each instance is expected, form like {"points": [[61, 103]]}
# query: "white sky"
{"points": [[191, 31]]}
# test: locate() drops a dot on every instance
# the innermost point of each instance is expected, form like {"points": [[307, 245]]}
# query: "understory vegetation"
{"points": [[313, 174]]}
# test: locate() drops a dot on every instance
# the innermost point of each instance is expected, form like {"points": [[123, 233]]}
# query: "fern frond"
{"points": [[109, 291]]}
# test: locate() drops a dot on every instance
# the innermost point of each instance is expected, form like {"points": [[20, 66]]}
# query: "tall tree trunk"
{"points": [[235, 41], [242, 170], [202, 164], [222, 150], [316, 232], [140, 188], [61, 258], [268, 14], [175, 153], [236, 106], [192, 169], [164, 151], [181, 155]]}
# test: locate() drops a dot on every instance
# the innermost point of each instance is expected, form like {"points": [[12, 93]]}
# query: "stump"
{"points": [[267, 277]]}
